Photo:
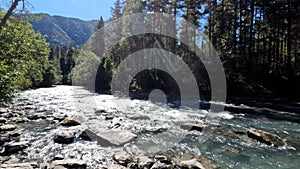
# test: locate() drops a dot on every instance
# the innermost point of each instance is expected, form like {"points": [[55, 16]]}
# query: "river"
{"points": [[227, 145]]}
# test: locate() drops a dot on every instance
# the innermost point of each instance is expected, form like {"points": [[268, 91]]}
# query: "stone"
{"points": [[20, 166], [190, 126], [20, 119], [14, 147], [8, 127], [37, 116], [3, 110], [122, 158], [7, 115], [115, 123], [4, 139], [69, 164], [191, 164], [109, 137], [265, 137], [65, 137], [154, 130], [138, 117], [160, 165], [144, 162], [70, 121], [3, 120], [100, 111]]}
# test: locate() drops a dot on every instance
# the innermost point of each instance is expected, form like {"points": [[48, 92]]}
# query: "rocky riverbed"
{"points": [[69, 127]]}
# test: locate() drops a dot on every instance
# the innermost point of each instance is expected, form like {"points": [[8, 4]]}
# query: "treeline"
{"points": [[258, 42]]}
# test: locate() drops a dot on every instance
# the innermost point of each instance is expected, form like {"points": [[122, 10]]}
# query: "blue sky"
{"points": [[82, 9]]}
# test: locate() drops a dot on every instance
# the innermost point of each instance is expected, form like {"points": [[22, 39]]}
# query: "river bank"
{"points": [[57, 127]]}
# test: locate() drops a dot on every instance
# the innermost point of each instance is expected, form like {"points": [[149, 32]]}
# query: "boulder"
{"points": [[3, 120], [265, 137], [65, 137], [8, 127], [108, 137], [14, 147], [193, 161], [160, 165], [68, 164], [191, 126], [70, 121]]}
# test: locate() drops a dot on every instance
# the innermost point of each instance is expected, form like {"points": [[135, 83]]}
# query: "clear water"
{"points": [[227, 150]]}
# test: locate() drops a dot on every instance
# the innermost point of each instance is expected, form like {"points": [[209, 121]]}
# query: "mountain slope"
{"points": [[62, 30]]}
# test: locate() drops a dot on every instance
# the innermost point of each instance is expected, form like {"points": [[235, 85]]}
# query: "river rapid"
{"points": [[226, 145]]}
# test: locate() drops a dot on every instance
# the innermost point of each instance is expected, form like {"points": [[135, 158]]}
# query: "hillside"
{"points": [[62, 30]]}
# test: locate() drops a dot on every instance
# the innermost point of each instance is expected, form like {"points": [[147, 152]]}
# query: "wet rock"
{"points": [[20, 166], [65, 137], [154, 130], [265, 137], [68, 164], [116, 166], [3, 110], [101, 112], [8, 127], [122, 158], [14, 147], [3, 140], [3, 120], [37, 116], [190, 126], [7, 115], [108, 137], [138, 117], [144, 162], [193, 163], [160, 165], [70, 121], [20, 120]]}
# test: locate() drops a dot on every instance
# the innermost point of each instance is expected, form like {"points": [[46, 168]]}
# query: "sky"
{"points": [[82, 9]]}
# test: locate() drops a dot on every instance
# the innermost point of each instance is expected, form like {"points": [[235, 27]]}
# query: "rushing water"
{"points": [[226, 149]]}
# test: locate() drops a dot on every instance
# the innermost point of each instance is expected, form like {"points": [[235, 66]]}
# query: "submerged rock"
{"points": [[68, 164], [14, 147], [8, 127], [265, 137], [64, 137], [108, 137], [190, 126]]}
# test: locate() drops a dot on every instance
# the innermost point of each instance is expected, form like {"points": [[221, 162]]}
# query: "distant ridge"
{"points": [[60, 30]]}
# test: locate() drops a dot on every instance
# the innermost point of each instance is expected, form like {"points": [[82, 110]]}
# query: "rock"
{"points": [[7, 115], [115, 123], [3, 120], [122, 158], [265, 137], [138, 117], [190, 126], [58, 157], [70, 121], [3, 110], [193, 163], [160, 158], [69, 164], [116, 166], [37, 116], [14, 147], [100, 111], [20, 166], [109, 117], [154, 130], [144, 162], [64, 137], [20, 119], [109, 137], [159, 165], [3, 140], [8, 127], [234, 150]]}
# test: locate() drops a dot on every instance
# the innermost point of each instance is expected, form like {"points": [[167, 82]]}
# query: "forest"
{"points": [[258, 42]]}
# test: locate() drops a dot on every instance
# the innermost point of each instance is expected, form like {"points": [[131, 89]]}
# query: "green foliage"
{"points": [[24, 57]]}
